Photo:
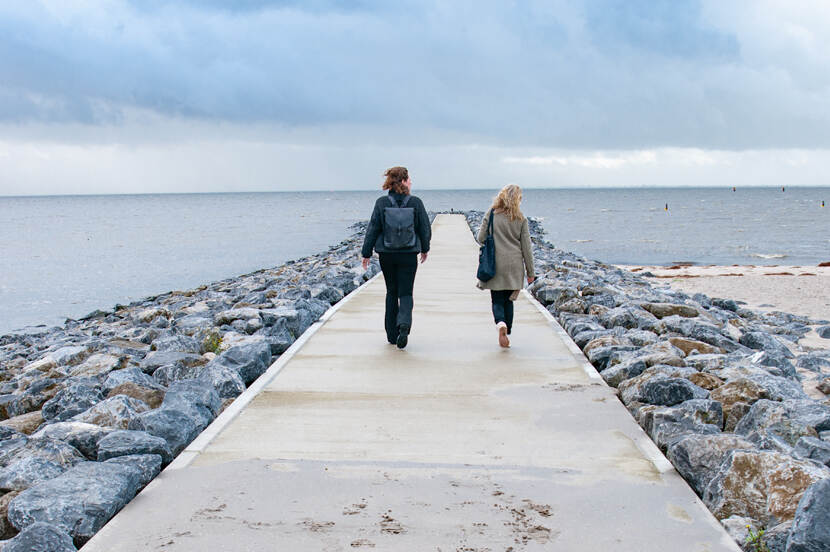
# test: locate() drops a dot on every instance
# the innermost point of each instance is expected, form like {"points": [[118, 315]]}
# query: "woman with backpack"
{"points": [[398, 230], [514, 256]]}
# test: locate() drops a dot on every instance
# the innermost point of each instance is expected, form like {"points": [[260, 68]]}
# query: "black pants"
{"points": [[399, 273], [502, 307]]}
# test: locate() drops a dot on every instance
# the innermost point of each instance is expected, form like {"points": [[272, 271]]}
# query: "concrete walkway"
{"points": [[451, 444]]}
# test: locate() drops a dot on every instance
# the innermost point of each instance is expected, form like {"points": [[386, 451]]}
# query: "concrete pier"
{"points": [[348, 443]]}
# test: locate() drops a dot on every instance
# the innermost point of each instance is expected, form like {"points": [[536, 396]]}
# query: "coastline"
{"points": [[803, 290], [102, 403]]}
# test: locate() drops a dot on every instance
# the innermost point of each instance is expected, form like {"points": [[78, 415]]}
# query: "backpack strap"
{"points": [[403, 203]]}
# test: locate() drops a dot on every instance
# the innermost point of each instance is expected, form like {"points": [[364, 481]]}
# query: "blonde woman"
{"points": [[514, 257]]}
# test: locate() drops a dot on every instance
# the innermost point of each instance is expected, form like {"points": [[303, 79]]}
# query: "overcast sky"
{"points": [[112, 96]]}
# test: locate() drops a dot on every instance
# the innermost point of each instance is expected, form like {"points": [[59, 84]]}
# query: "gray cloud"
{"points": [[615, 74]]}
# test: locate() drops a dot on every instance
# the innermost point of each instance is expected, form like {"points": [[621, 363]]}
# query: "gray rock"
{"points": [[278, 336], [194, 398], [25, 472], [814, 362], [776, 364], [129, 375], [71, 400], [630, 317], [70, 355], [765, 342], [667, 425], [174, 426], [225, 380], [40, 537], [814, 449], [811, 524], [53, 450], [149, 465], [249, 360], [33, 397], [177, 342], [824, 332], [698, 457], [169, 373], [622, 371], [309, 311], [10, 446], [79, 501], [671, 391], [115, 412], [775, 537], [786, 421], [641, 338], [156, 359], [82, 436], [130, 442], [555, 295]]}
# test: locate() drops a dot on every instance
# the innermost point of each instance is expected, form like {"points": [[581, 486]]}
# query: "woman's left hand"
{"points": [[530, 280], [366, 263]]}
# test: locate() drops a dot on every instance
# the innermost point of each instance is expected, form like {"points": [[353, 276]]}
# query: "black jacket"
{"points": [[374, 233]]}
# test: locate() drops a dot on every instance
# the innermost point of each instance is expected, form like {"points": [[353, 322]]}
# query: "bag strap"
{"points": [[490, 224]]}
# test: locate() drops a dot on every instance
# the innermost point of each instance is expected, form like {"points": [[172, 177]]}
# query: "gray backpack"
{"points": [[399, 225]]}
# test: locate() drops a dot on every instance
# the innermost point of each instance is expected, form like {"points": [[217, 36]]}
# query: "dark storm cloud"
{"points": [[613, 74]]}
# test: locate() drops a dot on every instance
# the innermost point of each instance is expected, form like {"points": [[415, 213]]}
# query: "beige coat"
{"points": [[514, 254]]}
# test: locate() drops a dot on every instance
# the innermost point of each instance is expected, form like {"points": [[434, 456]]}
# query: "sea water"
{"points": [[65, 256]]}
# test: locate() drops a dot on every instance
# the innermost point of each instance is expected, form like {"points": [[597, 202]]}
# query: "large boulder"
{"points": [[82, 436], [737, 396], [129, 442], [813, 449], [668, 424], [131, 374], [662, 310], [148, 465], [698, 457], [671, 391], [151, 396], [177, 342], [79, 501], [115, 412], [194, 398], [811, 524], [72, 400], [693, 346], [228, 316], [249, 360], [24, 423], [555, 295], [763, 341], [156, 359], [225, 380], [53, 450], [788, 420], [41, 537], [33, 397], [97, 364], [763, 485], [25, 472], [628, 316], [174, 426]]}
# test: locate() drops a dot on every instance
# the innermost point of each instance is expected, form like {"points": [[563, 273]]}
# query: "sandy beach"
{"points": [[803, 290]]}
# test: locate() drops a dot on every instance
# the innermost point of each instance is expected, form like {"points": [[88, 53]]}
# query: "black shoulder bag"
{"points": [[487, 255]]}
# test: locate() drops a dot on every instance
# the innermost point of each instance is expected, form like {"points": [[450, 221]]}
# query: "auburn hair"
{"points": [[508, 200], [395, 177]]}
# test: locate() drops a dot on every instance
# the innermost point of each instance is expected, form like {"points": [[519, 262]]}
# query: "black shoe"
{"points": [[403, 336]]}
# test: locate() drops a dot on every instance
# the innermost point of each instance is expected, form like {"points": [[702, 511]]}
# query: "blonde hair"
{"points": [[508, 200]]}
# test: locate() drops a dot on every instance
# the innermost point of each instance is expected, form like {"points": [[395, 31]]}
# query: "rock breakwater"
{"points": [[92, 410], [716, 386]]}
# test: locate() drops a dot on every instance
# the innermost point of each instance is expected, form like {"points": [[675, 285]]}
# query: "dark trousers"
{"points": [[502, 307], [399, 273]]}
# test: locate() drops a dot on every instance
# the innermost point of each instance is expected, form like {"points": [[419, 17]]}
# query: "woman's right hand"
{"points": [[366, 263]]}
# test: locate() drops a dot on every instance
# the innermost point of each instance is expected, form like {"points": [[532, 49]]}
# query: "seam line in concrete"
{"points": [[198, 445]]}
